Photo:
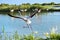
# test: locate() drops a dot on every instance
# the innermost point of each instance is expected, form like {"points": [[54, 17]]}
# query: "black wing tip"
{"points": [[13, 16], [10, 15]]}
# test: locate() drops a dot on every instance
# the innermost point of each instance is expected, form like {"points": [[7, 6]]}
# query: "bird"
{"points": [[12, 10], [27, 19]]}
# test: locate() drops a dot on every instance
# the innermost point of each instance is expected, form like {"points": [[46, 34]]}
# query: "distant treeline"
{"points": [[27, 6]]}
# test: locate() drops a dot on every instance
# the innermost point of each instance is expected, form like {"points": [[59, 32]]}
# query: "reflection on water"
{"points": [[41, 22], [57, 7]]}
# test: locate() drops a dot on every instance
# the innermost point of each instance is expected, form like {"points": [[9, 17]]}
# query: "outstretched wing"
{"points": [[17, 17], [36, 11], [32, 14]]}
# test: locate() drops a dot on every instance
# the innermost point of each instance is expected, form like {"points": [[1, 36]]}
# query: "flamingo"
{"points": [[27, 19]]}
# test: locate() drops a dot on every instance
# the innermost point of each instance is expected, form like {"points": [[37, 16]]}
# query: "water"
{"points": [[41, 22], [57, 7]]}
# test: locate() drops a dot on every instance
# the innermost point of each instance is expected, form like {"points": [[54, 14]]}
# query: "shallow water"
{"points": [[41, 23], [56, 7]]}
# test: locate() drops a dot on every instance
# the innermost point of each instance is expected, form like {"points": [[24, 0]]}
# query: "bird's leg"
{"points": [[30, 27], [26, 26]]}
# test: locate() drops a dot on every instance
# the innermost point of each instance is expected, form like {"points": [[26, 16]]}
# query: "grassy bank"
{"points": [[17, 36], [29, 7]]}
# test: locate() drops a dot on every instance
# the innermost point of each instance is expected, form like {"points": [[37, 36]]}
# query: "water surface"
{"points": [[41, 22]]}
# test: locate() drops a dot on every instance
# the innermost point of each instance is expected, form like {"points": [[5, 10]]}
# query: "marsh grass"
{"points": [[16, 36]]}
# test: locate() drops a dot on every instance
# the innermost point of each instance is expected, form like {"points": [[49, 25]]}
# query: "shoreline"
{"points": [[50, 10]]}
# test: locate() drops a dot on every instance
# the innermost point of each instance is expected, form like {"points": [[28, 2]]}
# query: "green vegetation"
{"points": [[29, 7], [17, 36]]}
